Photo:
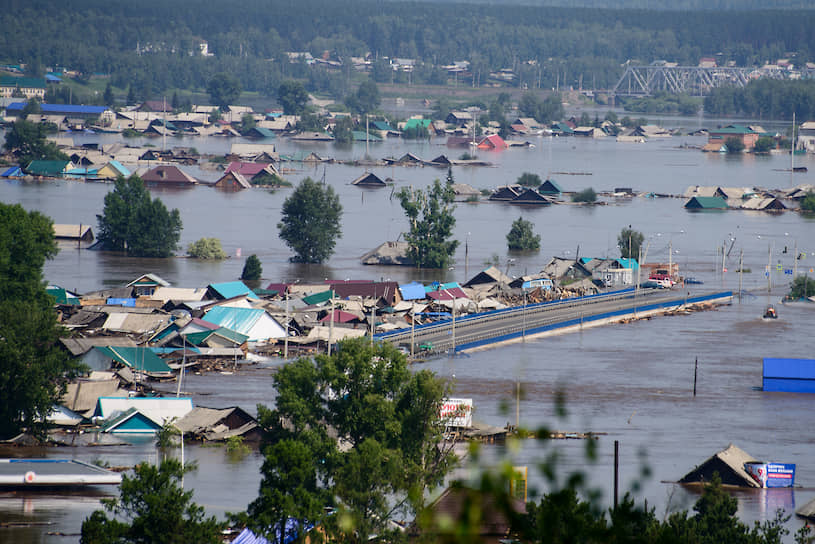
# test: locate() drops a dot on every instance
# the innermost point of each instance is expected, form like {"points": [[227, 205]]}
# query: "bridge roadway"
{"points": [[515, 322]]}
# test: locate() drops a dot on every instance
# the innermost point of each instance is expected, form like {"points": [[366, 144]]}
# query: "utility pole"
{"points": [[412, 328], [741, 266], [795, 262], [331, 325], [286, 340], [769, 267]]}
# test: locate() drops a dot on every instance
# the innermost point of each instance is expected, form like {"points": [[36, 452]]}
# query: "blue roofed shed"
{"points": [[789, 375], [229, 289], [13, 172]]}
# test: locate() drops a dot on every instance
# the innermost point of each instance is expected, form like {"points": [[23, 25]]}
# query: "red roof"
{"points": [[168, 174], [447, 294], [204, 324], [492, 141], [340, 317]]}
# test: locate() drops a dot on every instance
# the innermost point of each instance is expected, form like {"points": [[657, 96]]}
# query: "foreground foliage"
{"points": [[310, 222], [152, 508], [431, 218], [33, 370], [386, 419], [134, 223]]}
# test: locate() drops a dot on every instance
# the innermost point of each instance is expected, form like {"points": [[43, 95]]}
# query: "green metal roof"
{"points": [[319, 298], [46, 168], [707, 203], [198, 338], [413, 123], [131, 421], [22, 82], [62, 296], [359, 136], [733, 129], [137, 358]]}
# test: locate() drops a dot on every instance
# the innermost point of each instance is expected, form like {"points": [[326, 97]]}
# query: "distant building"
{"points": [[30, 87]]}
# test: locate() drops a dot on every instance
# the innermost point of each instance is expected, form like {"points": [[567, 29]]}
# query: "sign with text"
{"points": [[457, 412]]}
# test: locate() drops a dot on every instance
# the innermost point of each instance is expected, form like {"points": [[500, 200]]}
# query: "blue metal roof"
{"points": [[14, 171], [412, 291], [436, 286], [237, 319], [60, 108], [231, 289], [629, 263], [248, 537]]}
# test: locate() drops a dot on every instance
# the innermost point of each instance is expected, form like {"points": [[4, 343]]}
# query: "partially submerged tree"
{"points": [[387, 419], [522, 237], [152, 507], [802, 287], [629, 242], [734, 144], [206, 248], [808, 202], [33, 369], [528, 179], [134, 223], [28, 142], [587, 196], [431, 218], [252, 269], [310, 222]]}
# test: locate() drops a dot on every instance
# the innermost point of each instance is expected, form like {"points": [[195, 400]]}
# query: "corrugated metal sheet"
{"points": [[232, 289], [789, 375], [158, 409], [413, 291], [138, 358], [238, 319]]}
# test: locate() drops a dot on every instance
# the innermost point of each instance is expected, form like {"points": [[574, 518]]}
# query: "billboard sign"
{"points": [[457, 412]]}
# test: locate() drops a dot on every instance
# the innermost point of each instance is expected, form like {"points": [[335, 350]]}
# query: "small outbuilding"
{"points": [[729, 464], [706, 203], [369, 179]]}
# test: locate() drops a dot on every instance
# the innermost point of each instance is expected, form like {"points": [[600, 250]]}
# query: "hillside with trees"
{"points": [[544, 47]]}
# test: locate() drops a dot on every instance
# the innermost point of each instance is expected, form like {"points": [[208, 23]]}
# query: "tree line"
{"points": [[765, 99], [147, 47]]}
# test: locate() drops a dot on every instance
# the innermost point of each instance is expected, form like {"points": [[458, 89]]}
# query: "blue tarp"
{"points": [[129, 302], [248, 537], [412, 291]]}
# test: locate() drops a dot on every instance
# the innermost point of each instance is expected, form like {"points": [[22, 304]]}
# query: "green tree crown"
{"points": [[431, 218], [252, 269], [310, 222], [522, 237], [152, 507], [206, 248], [33, 370], [134, 223], [630, 241]]}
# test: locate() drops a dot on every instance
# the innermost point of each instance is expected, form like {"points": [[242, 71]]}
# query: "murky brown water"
{"points": [[631, 381]]}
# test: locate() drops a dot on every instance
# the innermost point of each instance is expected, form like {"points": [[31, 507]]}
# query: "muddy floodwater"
{"points": [[632, 382]]}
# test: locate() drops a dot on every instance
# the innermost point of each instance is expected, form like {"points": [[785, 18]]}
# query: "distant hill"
{"points": [[661, 5]]}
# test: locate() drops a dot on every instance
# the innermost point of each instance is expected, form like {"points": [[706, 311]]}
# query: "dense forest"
{"points": [[152, 46], [765, 99]]}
